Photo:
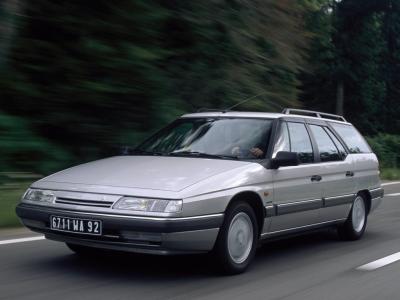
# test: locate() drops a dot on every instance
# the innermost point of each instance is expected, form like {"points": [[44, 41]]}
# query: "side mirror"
{"points": [[285, 159]]}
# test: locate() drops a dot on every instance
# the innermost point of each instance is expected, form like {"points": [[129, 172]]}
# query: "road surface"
{"points": [[313, 266]]}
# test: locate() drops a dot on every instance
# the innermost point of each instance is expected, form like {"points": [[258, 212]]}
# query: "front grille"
{"points": [[91, 203]]}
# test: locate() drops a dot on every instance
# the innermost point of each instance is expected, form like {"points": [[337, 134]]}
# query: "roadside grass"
{"points": [[9, 198], [390, 173]]}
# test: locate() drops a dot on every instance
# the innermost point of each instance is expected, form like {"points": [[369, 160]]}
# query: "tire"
{"points": [[237, 239], [354, 227]]}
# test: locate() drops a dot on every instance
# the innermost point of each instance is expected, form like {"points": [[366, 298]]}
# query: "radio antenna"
{"points": [[244, 101], [240, 103]]}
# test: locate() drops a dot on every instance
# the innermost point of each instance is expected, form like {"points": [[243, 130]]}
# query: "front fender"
{"points": [[215, 193]]}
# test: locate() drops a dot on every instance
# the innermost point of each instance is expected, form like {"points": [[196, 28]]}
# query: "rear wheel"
{"points": [[354, 227], [237, 239]]}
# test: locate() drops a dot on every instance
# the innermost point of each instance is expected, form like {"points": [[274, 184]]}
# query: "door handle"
{"points": [[316, 178], [349, 174]]}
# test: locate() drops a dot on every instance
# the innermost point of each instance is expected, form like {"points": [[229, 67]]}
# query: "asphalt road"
{"points": [[313, 266]]}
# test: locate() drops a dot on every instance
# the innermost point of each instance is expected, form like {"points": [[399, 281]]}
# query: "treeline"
{"points": [[80, 78]]}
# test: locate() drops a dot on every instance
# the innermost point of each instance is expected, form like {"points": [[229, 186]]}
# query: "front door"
{"points": [[297, 189]]}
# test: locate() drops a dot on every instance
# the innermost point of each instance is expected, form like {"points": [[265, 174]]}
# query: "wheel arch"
{"points": [[367, 196], [256, 203]]}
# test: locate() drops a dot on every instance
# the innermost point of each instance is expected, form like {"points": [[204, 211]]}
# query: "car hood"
{"points": [[145, 172]]}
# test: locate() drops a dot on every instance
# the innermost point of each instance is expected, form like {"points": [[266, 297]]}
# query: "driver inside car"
{"points": [[249, 146], [255, 151]]}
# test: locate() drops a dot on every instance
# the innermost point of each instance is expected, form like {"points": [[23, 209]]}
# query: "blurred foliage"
{"points": [[21, 149], [221, 52], [10, 195], [81, 78], [386, 147], [92, 75], [357, 43], [390, 173]]}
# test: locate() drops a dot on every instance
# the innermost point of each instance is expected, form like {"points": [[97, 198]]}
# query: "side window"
{"points": [[300, 142], [338, 144], [283, 142], [354, 141], [326, 147]]}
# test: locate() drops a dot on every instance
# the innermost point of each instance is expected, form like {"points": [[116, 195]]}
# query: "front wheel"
{"points": [[354, 227], [237, 239]]}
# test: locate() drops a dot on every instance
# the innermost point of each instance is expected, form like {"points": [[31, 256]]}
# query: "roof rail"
{"points": [[311, 113], [204, 109]]}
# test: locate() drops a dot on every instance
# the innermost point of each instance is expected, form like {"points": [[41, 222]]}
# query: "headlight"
{"points": [[39, 196], [151, 205]]}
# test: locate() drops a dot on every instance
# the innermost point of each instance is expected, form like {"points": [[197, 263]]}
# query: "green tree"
{"points": [[318, 87], [89, 75], [22, 150], [86, 74], [9, 9], [390, 108], [225, 51], [354, 58]]}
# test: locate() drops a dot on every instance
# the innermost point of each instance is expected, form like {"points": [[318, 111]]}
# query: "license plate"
{"points": [[75, 225]]}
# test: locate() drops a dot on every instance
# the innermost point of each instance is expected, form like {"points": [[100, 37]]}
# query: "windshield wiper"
{"points": [[181, 153], [201, 154], [144, 152]]}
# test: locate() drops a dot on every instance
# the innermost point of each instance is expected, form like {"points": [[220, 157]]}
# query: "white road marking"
{"points": [[380, 262], [22, 240], [393, 195], [390, 183]]}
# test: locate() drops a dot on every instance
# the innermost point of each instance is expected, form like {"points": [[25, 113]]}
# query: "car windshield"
{"points": [[226, 138]]}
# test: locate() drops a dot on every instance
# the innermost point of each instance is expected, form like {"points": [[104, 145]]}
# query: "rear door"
{"points": [[366, 169], [297, 190], [337, 173]]}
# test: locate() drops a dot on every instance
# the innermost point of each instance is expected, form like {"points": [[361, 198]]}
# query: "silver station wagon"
{"points": [[214, 182]]}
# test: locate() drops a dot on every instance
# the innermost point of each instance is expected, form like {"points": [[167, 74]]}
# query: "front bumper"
{"points": [[130, 233]]}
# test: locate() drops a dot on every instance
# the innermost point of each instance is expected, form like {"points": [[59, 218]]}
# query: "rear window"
{"points": [[353, 139]]}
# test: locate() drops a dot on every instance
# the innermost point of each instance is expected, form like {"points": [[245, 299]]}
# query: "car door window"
{"points": [[326, 147], [338, 144], [283, 141], [300, 142]]}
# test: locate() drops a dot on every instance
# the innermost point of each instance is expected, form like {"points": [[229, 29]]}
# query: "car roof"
{"points": [[248, 114]]}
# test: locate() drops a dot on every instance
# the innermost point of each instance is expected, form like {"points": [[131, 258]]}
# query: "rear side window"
{"points": [[300, 142], [354, 141], [338, 144], [326, 147]]}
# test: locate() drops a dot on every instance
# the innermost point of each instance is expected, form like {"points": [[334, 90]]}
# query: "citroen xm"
{"points": [[215, 182]]}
